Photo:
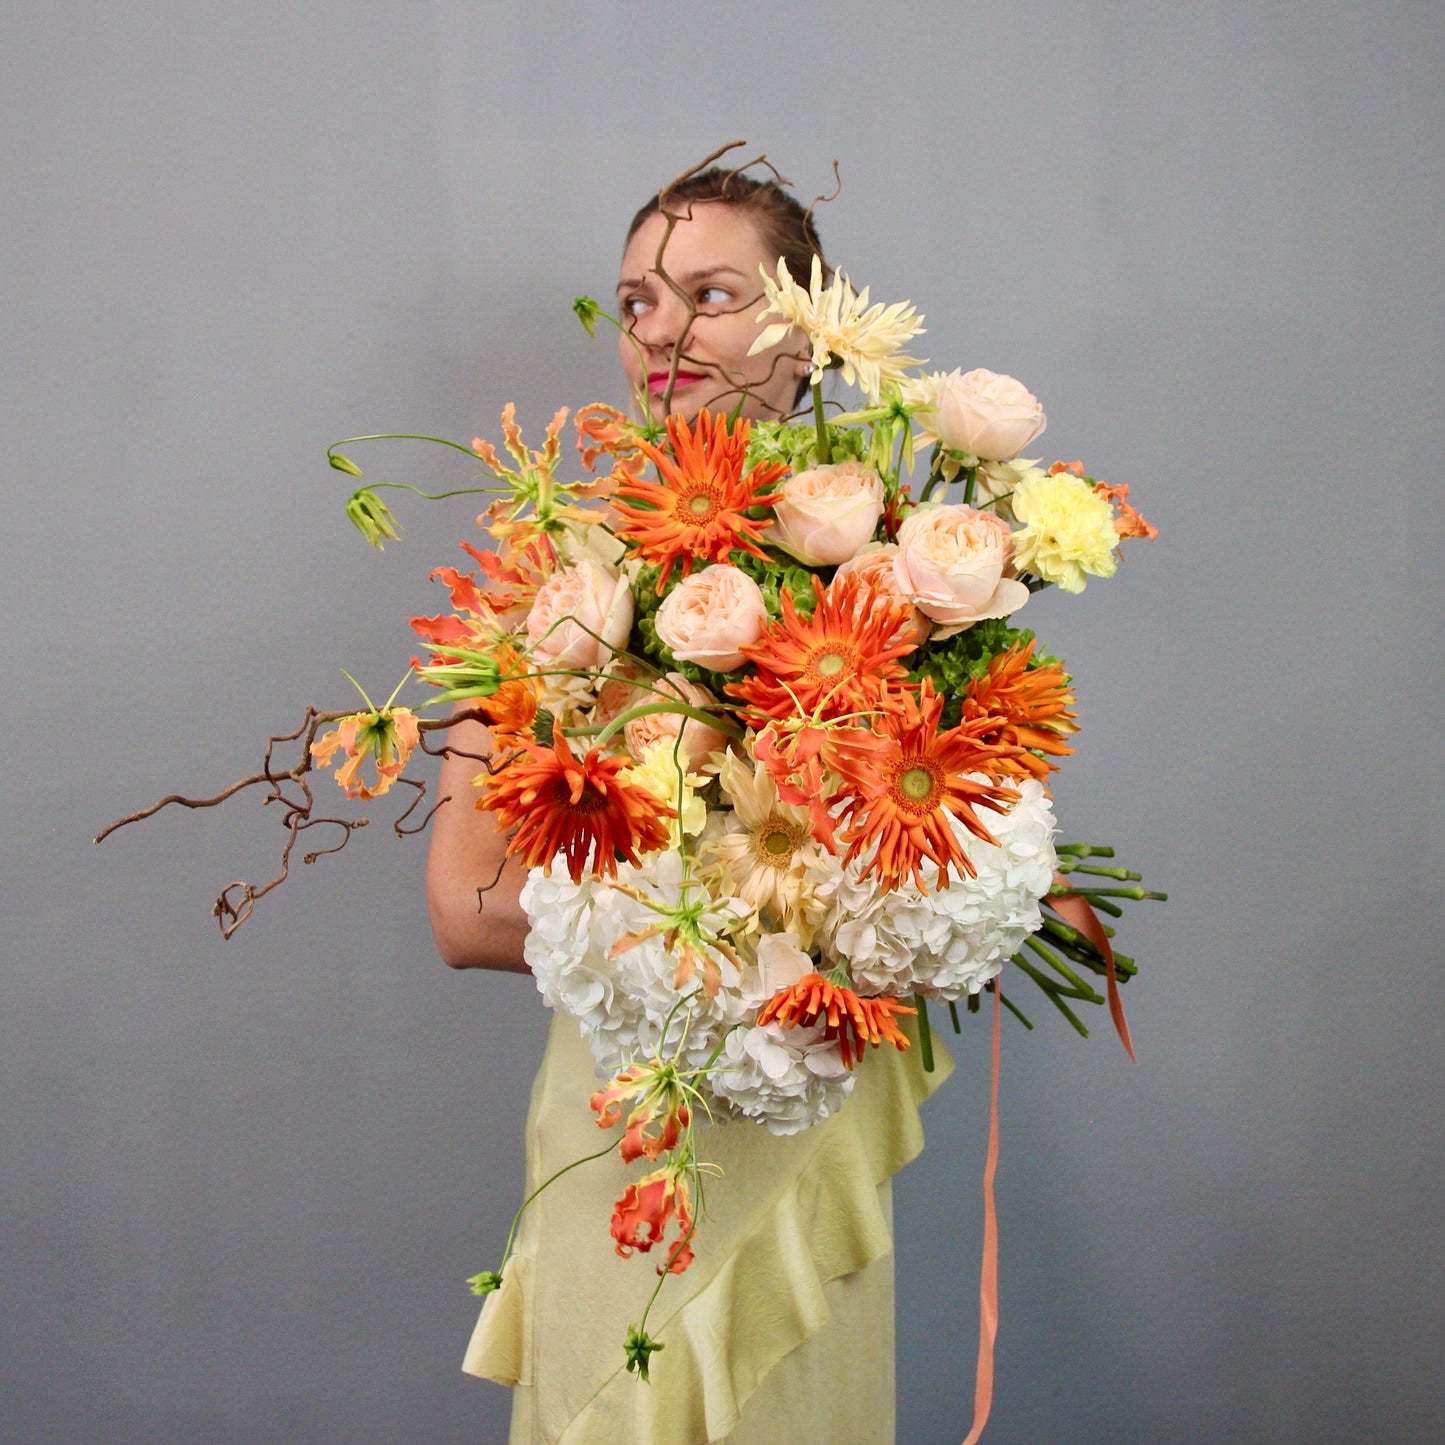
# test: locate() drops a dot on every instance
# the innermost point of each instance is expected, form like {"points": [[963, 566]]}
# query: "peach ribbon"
{"points": [[1075, 911], [988, 1275]]}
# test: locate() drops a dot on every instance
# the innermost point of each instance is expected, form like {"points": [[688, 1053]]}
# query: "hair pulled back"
{"points": [[787, 230]]}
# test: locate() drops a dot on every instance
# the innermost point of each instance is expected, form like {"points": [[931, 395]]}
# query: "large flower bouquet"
{"points": [[767, 733]]}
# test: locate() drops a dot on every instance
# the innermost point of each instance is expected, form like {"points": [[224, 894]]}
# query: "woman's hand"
{"points": [[472, 887]]}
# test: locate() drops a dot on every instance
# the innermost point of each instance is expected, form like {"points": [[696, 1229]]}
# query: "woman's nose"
{"points": [[662, 325]]}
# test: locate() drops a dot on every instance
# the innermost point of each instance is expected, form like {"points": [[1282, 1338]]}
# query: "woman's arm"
{"points": [[475, 925]]}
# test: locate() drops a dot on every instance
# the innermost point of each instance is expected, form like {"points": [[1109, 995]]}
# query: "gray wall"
{"points": [[243, 1182]]}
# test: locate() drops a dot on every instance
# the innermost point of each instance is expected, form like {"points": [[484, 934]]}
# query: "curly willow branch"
{"points": [[291, 788]]}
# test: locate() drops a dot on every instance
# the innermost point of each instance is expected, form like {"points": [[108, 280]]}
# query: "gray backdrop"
{"points": [[243, 1182]]}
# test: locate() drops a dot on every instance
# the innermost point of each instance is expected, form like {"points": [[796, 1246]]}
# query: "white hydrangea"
{"points": [[786, 1079], [623, 1004], [950, 942]]}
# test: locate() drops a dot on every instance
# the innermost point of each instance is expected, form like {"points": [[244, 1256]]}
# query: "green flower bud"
{"points": [[345, 464], [587, 311], [371, 517], [485, 1282], [639, 1347]]}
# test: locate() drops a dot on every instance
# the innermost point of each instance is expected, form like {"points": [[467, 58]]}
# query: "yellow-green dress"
{"points": [[782, 1328]]}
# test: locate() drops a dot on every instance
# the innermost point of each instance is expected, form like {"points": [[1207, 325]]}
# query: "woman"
{"points": [[782, 1328]]}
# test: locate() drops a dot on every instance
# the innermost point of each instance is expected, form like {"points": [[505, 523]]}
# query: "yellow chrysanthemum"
{"points": [[661, 773], [1068, 530], [839, 323]]}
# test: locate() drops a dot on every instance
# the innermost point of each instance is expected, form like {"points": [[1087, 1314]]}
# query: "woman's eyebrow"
{"points": [[690, 278]]}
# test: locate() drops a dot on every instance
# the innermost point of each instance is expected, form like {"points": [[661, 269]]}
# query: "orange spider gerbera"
{"points": [[842, 660], [562, 805], [697, 510], [1030, 711], [857, 1021], [922, 777]]}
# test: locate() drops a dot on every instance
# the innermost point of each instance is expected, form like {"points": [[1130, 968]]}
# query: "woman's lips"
{"points": [[657, 380]]}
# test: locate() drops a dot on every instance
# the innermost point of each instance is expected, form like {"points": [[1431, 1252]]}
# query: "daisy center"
{"points": [[830, 664], [916, 785], [591, 800], [701, 505], [775, 843]]}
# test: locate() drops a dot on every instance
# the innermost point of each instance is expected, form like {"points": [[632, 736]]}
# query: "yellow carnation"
{"points": [[1068, 530]]}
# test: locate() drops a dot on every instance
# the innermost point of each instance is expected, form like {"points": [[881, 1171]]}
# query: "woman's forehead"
{"points": [[709, 237]]}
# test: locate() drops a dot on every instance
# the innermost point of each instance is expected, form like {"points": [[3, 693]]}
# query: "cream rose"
{"points": [[989, 416], [579, 617], [698, 739], [873, 566], [825, 515], [952, 562], [709, 615]]}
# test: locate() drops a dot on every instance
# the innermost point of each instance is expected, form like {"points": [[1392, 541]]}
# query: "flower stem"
{"points": [[925, 1033], [825, 447], [712, 719]]}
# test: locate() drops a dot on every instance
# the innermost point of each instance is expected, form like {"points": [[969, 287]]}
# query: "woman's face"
{"points": [[714, 257]]}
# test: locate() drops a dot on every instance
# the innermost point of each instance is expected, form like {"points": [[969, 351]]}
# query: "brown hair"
{"points": [[786, 229]]}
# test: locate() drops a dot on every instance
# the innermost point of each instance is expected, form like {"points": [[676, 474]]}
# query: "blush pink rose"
{"points": [[579, 617], [698, 739], [991, 416], [825, 515], [873, 566], [707, 617], [953, 562]]}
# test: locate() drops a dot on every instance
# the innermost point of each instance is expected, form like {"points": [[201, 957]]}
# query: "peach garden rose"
{"points": [[983, 413], [953, 562], [579, 617], [873, 566], [708, 616], [823, 516]]}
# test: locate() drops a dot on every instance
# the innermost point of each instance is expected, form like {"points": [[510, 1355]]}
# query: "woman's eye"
{"points": [[714, 296], [634, 305]]}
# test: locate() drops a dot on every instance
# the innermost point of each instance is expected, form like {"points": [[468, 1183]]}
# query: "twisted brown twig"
{"points": [[291, 788]]}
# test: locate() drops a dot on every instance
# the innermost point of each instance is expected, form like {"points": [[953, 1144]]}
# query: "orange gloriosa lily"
{"points": [[656, 1122], [389, 736], [697, 510], [646, 1208]]}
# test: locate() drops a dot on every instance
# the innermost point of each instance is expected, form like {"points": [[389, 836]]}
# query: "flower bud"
{"points": [[371, 516], [587, 312]]}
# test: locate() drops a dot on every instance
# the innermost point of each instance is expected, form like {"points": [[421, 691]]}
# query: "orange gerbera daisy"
{"points": [[644, 1211], [697, 511], [1030, 711], [923, 777], [856, 1021], [577, 808], [841, 660]]}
